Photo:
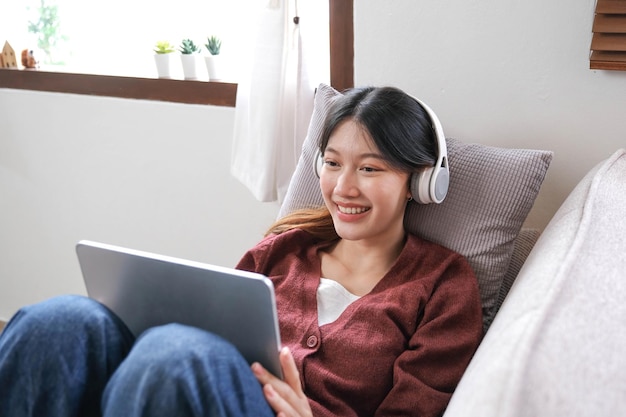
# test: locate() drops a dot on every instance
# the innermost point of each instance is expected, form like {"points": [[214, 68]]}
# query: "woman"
{"points": [[374, 321]]}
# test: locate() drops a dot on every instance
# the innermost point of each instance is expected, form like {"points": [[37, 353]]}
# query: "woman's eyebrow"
{"points": [[362, 156]]}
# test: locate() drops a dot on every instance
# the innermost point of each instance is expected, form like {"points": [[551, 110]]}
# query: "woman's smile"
{"points": [[352, 210]]}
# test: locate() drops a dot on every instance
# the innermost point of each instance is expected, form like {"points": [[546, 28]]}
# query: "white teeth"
{"points": [[352, 210]]}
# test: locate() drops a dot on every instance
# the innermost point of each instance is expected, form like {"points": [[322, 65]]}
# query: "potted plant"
{"points": [[189, 53], [214, 46], [162, 56]]}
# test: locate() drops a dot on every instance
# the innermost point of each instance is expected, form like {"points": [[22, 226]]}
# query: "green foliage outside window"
{"points": [[47, 27]]}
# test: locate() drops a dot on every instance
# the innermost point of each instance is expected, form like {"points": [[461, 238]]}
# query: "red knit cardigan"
{"points": [[398, 351]]}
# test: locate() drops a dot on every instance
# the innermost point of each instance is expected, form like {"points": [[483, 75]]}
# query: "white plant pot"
{"points": [[214, 67], [190, 66], [163, 63]]}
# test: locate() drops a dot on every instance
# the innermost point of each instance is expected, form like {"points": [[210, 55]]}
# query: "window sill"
{"points": [[177, 91]]}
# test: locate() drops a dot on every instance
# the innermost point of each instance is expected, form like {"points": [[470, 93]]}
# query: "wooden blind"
{"points": [[608, 44]]}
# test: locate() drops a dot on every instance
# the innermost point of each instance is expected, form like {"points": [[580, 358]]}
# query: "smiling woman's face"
{"points": [[364, 194]]}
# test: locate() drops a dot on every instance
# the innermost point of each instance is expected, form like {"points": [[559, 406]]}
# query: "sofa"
{"points": [[557, 345], [553, 301]]}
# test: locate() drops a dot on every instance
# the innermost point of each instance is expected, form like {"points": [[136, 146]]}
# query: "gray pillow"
{"points": [[491, 192]]}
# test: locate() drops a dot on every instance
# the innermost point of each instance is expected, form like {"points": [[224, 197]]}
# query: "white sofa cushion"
{"points": [[557, 346], [491, 192]]}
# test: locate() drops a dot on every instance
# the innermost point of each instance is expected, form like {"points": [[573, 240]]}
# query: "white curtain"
{"points": [[275, 97]]}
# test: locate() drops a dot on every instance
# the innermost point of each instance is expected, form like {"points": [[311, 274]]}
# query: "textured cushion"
{"points": [[556, 348], [491, 192], [524, 243]]}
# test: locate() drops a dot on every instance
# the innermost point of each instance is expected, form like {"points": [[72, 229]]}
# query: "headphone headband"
{"points": [[431, 185]]}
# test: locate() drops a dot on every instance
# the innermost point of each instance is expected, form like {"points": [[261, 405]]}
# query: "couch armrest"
{"points": [[557, 345]]}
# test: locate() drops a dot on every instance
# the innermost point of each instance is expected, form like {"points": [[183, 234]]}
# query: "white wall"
{"points": [[149, 175], [506, 73]]}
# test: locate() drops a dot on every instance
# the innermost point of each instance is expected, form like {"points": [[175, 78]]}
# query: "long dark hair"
{"points": [[398, 125]]}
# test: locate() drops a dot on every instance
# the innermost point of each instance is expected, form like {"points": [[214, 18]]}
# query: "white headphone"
{"points": [[431, 184]]}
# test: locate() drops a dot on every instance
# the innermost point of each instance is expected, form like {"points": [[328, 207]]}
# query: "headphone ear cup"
{"points": [[439, 184], [318, 163], [420, 186], [430, 185]]}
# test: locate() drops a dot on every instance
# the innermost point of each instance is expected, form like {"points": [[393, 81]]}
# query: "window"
{"points": [[608, 45], [117, 37], [220, 93]]}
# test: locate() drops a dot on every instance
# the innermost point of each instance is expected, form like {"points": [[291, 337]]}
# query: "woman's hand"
{"points": [[285, 397]]}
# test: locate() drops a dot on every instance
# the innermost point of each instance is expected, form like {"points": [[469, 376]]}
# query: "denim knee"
{"points": [[57, 356], [173, 337], [60, 320], [171, 345], [181, 370]]}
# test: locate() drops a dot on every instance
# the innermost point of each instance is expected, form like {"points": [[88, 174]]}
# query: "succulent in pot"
{"points": [[189, 54], [213, 64], [163, 51]]}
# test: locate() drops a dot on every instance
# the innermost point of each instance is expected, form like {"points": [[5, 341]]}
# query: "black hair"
{"points": [[399, 126]]}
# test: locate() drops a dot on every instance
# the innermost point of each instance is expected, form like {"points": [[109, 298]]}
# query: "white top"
{"points": [[332, 300]]}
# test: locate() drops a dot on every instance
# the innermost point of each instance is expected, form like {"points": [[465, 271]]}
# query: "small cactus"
{"points": [[214, 44], [163, 47], [188, 47]]}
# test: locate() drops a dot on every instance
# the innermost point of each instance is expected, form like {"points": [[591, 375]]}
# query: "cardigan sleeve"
{"points": [[248, 262], [450, 329], [255, 259]]}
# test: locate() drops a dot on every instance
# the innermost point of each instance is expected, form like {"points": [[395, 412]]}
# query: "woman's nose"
{"points": [[347, 184]]}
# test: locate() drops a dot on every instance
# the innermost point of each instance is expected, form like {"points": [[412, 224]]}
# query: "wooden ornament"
{"points": [[7, 58]]}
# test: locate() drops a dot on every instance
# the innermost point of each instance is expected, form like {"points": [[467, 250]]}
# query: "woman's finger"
{"points": [[280, 405], [285, 397], [290, 371]]}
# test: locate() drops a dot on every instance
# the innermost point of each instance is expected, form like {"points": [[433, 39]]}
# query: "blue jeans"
{"points": [[71, 356]]}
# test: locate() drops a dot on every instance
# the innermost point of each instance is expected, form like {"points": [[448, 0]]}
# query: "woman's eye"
{"points": [[330, 163], [369, 169]]}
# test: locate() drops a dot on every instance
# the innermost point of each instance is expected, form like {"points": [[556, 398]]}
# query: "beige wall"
{"points": [[148, 175], [507, 73]]}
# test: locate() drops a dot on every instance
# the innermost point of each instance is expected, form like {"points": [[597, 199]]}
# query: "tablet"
{"points": [[146, 290]]}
